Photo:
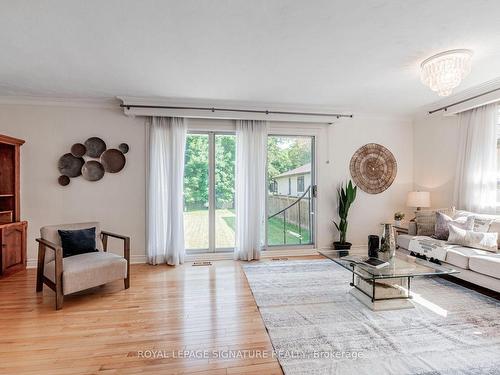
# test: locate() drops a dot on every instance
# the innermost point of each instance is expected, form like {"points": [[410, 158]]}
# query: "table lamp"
{"points": [[418, 199]]}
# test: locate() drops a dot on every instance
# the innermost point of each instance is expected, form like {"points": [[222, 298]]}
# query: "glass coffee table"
{"points": [[386, 288]]}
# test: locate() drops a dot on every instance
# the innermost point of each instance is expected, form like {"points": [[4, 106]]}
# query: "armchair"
{"points": [[83, 271]]}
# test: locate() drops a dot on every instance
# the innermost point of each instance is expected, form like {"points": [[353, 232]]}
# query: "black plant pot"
{"points": [[343, 247]]}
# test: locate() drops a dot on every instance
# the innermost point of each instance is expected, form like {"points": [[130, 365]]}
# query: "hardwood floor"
{"points": [[105, 330]]}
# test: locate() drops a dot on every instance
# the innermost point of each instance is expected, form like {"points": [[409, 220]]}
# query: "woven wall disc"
{"points": [[373, 168]]}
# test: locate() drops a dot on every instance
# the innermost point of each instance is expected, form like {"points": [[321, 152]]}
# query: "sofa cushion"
{"points": [[50, 233], [88, 270], [487, 264], [482, 220], [459, 256], [403, 240]]}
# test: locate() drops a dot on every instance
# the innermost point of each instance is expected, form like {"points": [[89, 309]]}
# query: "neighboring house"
{"points": [[293, 182]]}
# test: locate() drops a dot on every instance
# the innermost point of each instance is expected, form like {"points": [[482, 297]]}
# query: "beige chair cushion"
{"points": [[488, 264], [459, 256], [88, 270], [50, 233]]}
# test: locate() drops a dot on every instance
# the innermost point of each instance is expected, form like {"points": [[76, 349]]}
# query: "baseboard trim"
{"points": [[141, 259]]}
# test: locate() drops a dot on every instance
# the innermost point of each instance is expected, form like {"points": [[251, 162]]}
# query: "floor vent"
{"points": [[280, 259], [206, 263]]}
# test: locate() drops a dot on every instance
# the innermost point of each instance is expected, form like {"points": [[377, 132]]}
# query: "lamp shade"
{"points": [[418, 199]]}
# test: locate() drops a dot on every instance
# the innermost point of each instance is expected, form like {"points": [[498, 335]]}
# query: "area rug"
{"points": [[317, 327]]}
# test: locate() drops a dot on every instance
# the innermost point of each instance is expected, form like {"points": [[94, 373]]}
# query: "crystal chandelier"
{"points": [[444, 71]]}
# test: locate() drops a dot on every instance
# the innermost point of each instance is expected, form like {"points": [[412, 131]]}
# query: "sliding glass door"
{"points": [[291, 190], [209, 192], [209, 220]]}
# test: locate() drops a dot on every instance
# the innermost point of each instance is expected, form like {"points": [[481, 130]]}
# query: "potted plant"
{"points": [[346, 196], [398, 218]]}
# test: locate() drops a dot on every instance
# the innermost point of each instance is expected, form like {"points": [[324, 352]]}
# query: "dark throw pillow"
{"points": [[76, 242]]}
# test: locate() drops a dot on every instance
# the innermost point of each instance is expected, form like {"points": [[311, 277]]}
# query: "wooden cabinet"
{"points": [[13, 245], [12, 229]]}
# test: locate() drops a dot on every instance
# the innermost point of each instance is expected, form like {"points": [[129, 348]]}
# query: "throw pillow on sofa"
{"points": [[469, 238], [482, 223], [426, 220], [442, 221]]}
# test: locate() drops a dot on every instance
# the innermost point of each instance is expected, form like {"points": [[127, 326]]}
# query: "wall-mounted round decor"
{"points": [[78, 150], [95, 147], [70, 165], [123, 147], [92, 170], [63, 180], [113, 160], [373, 168]]}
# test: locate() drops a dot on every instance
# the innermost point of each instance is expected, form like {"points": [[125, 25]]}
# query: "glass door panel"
{"points": [[290, 204], [225, 151], [196, 192]]}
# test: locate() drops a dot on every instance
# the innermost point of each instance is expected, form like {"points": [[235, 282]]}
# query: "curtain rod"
{"points": [[445, 108], [213, 109]]}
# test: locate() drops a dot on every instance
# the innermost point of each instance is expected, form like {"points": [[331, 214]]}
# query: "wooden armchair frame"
{"points": [[58, 257]]}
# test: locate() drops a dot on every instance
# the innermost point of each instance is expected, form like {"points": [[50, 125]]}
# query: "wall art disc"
{"points": [[123, 147], [78, 150], [373, 168], [70, 165], [95, 147], [113, 160], [92, 170], [63, 180]]}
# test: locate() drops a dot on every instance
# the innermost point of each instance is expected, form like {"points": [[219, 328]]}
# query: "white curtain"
{"points": [[165, 174], [251, 158], [476, 175]]}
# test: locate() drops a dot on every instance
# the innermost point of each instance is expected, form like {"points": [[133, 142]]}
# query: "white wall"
{"points": [[338, 144], [118, 200], [435, 149]]}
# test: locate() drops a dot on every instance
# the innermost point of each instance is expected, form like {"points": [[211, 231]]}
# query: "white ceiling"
{"points": [[348, 55]]}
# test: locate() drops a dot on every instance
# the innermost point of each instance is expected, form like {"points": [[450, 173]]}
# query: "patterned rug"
{"points": [[317, 327]]}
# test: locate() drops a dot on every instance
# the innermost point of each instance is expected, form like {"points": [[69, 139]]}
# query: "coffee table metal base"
{"points": [[383, 294]]}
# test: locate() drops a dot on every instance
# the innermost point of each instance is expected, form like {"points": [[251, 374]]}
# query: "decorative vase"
{"points": [[388, 243], [397, 223]]}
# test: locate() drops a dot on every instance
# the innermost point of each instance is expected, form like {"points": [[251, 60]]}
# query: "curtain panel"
{"points": [[165, 177], [251, 159], [476, 175]]}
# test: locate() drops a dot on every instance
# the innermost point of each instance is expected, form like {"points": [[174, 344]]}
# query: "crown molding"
{"points": [[104, 102]]}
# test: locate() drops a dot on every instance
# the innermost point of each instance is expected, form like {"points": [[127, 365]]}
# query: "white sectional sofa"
{"points": [[476, 266]]}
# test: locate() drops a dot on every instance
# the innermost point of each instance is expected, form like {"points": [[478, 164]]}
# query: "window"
{"points": [[300, 184]]}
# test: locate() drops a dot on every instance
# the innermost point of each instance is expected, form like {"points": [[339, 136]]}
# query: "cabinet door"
{"points": [[13, 255]]}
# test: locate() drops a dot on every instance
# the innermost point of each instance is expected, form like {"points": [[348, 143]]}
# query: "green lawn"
{"points": [[196, 230]]}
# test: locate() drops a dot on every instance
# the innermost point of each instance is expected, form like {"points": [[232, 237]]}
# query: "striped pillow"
{"points": [[426, 220]]}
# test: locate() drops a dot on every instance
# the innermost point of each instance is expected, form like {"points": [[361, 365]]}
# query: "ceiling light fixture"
{"points": [[444, 71]]}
